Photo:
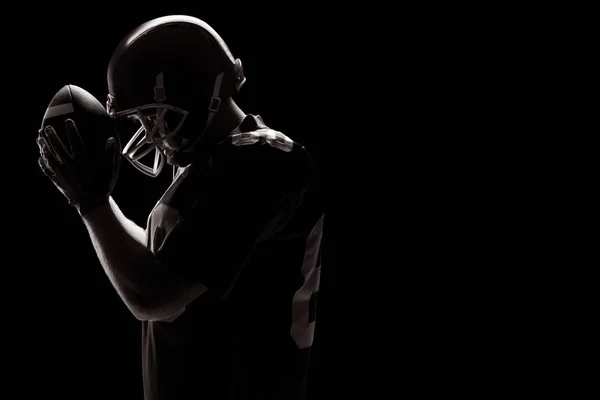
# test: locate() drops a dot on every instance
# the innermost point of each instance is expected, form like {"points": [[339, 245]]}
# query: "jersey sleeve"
{"points": [[235, 201]]}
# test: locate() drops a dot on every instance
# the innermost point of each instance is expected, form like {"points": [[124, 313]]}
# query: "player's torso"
{"points": [[284, 267], [264, 330]]}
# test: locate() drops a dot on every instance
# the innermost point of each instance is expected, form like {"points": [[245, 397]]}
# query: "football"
{"points": [[94, 124]]}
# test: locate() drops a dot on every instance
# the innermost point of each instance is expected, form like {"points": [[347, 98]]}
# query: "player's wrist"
{"points": [[89, 204]]}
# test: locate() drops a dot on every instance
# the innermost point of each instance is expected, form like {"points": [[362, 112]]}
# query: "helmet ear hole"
{"points": [[240, 79]]}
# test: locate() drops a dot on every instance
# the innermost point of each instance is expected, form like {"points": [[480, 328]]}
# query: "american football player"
{"points": [[224, 277]]}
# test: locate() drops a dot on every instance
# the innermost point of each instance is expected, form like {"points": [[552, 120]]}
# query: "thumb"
{"points": [[111, 149], [113, 155]]}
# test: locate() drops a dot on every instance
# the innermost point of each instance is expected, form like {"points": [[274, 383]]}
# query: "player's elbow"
{"points": [[157, 306], [137, 306], [141, 314], [164, 296], [149, 312]]}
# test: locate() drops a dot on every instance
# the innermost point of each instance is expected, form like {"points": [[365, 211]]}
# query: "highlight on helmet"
{"points": [[166, 80]]}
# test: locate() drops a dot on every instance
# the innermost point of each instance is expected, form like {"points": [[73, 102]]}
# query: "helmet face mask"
{"points": [[168, 77], [158, 125]]}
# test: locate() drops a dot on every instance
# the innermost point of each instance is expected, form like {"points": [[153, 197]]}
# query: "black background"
{"points": [[404, 111], [70, 335]]}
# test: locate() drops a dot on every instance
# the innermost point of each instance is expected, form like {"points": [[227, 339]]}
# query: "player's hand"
{"points": [[85, 176]]}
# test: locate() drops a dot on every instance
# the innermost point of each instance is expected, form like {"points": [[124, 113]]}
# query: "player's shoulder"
{"points": [[254, 134], [256, 143]]}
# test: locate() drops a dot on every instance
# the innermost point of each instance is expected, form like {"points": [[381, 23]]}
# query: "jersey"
{"points": [[246, 222]]}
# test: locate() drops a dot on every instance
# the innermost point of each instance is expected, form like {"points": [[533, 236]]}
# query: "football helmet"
{"points": [[166, 80]]}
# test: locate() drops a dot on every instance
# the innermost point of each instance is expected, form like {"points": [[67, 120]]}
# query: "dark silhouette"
{"points": [[225, 276]]}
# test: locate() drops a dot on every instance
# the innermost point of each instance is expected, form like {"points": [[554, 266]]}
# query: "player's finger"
{"points": [[46, 169], [50, 162], [73, 136], [46, 147], [54, 144], [40, 142], [59, 145]]}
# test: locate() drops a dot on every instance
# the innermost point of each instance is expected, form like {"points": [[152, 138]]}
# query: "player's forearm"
{"points": [[148, 288], [128, 264], [135, 231]]}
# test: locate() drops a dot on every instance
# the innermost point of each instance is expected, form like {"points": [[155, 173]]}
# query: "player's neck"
{"points": [[229, 117]]}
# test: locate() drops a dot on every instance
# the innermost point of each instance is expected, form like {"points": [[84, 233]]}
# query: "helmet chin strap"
{"points": [[213, 108]]}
